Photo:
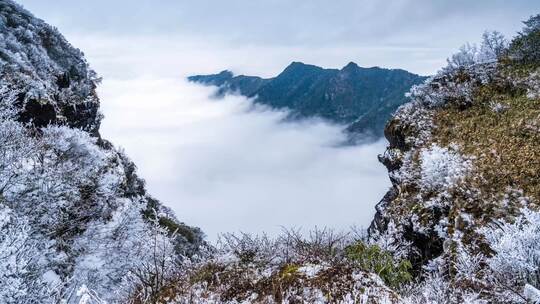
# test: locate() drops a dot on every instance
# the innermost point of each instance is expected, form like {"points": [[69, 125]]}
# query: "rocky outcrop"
{"points": [[74, 215], [463, 164], [47, 78]]}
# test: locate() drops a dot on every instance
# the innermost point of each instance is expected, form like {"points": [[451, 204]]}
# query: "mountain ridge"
{"points": [[363, 99]]}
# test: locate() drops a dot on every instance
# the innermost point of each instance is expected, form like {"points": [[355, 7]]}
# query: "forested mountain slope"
{"points": [[75, 220], [362, 98]]}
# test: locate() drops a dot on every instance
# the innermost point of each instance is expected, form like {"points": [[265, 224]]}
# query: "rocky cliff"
{"points": [[49, 80], [464, 161], [76, 220]]}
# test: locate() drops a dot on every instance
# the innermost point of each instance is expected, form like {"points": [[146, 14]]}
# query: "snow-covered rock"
{"points": [[76, 222]]}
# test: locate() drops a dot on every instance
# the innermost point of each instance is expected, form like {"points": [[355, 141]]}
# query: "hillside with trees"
{"points": [[362, 99]]}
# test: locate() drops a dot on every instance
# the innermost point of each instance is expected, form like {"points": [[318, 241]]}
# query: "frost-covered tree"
{"points": [[15, 150], [465, 57], [532, 25], [23, 279], [493, 46], [157, 264]]}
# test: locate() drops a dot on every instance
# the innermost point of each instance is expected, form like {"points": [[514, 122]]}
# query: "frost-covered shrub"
{"points": [[291, 245], [249, 248], [79, 217], [434, 289], [531, 294], [391, 240], [22, 275], [292, 267], [16, 148], [441, 167], [87, 296], [516, 261], [465, 57], [468, 267], [153, 262], [492, 47]]}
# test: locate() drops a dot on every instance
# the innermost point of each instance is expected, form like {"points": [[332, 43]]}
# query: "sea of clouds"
{"points": [[228, 165]]}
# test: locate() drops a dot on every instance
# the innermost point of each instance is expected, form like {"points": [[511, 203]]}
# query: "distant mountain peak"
{"points": [[226, 73], [362, 98], [351, 65], [296, 63], [297, 66], [217, 80]]}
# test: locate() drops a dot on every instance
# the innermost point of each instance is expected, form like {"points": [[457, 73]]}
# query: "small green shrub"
{"points": [[372, 258], [171, 225], [289, 270]]}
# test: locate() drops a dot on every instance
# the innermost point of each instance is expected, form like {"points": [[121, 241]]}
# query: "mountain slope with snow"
{"points": [[74, 215], [464, 163]]}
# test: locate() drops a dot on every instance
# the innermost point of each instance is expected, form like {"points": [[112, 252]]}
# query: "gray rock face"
{"points": [[45, 77]]}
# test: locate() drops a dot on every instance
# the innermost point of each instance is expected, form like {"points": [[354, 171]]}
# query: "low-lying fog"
{"points": [[227, 165]]}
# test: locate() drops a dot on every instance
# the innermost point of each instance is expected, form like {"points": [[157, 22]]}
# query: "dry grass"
{"points": [[258, 269], [504, 143]]}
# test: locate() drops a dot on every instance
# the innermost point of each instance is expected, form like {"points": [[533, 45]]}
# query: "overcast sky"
{"points": [[262, 37], [219, 165]]}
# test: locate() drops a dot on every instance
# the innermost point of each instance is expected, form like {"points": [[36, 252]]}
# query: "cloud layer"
{"points": [[226, 165]]}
